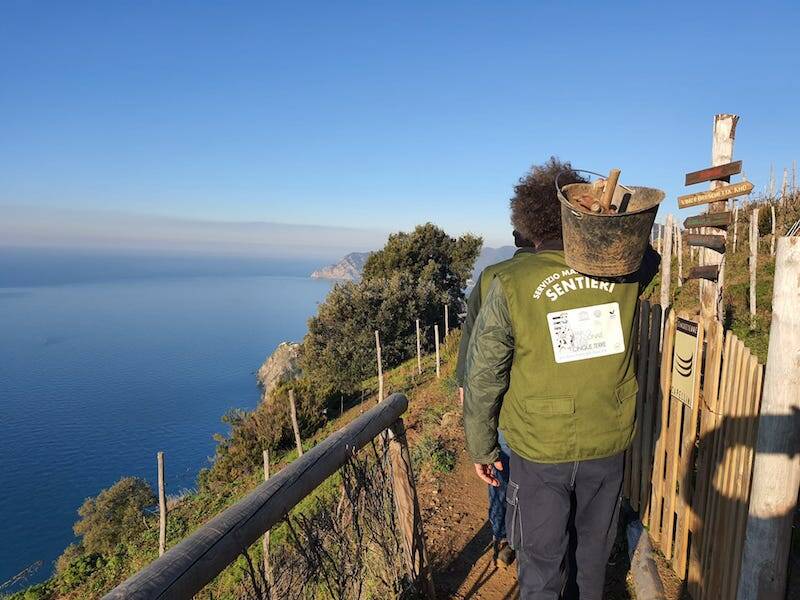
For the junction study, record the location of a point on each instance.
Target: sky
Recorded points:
(350, 120)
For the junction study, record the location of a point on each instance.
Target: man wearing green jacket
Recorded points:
(502, 552)
(551, 363)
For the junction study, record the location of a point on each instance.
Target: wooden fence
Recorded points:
(690, 467)
(185, 569)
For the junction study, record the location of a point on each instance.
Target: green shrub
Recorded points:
(115, 516)
(78, 571)
(239, 454)
(432, 451)
(39, 591)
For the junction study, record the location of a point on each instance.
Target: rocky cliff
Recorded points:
(350, 267)
(347, 269)
(281, 366)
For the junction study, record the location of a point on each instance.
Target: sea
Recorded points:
(106, 360)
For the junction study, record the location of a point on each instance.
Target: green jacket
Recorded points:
(551, 358)
(474, 302)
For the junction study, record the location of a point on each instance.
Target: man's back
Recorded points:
(572, 362)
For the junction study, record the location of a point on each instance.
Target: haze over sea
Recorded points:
(107, 359)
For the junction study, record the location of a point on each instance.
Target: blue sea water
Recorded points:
(111, 365)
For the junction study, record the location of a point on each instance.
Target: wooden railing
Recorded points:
(185, 569)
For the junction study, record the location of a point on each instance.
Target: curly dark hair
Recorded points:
(535, 209)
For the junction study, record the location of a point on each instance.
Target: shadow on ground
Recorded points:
(471, 571)
(468, 575)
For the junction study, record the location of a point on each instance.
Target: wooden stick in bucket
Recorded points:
(608, 191)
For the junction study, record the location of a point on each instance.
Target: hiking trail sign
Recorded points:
(721, 193)
(685, 362)
(718, 173)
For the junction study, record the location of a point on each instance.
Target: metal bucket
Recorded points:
(607, 245)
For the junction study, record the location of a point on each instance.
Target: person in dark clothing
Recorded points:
(550, 362)
(503, 554)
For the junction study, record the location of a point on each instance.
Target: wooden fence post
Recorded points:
(772, 239)
(680, 254)
(419, 350)
(666, 264)
(409, 516)
(436, 340)
(162, 507)
(771, 188)
(735, 225)
(661, 398)
(446, 321)
(675, 231)
(784, 185)
(753, 264)
(380, 365)
(265, 539)
(723, 136)
(776, 470)
(293, 410)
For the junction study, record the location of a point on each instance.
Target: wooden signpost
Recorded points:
(721, 219)
(721, 193)
(718, 173)
(708, 272)
(715, 242)
(712, 247)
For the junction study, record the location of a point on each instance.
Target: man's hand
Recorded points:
(461, 396)
(487, 475)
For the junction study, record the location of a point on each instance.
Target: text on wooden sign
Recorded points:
(721, 193)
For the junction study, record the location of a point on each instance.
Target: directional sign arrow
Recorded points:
(721, 193)
(715, 242)
(720, 172)
(710, 272)
(720, 219)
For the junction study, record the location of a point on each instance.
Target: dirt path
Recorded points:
(455, 508)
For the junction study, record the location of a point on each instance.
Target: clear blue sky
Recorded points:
(378, 115)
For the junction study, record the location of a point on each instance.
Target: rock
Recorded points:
(281, 366)
(451, 420)
(347, 269)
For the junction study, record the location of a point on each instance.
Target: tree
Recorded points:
(427, 254)
(411, 278)
(114, 516)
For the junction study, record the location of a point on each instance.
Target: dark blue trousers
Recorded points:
(543, 499)
(497, 500)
